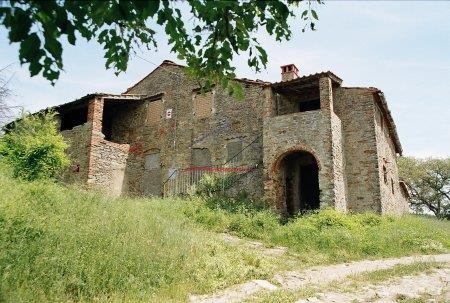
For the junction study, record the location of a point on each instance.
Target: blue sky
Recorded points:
(402, 48)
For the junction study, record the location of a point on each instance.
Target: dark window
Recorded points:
(107, 123)
(73, 118)
(392, 185)
(385, 174)
(305, 106)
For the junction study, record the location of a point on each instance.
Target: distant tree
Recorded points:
(207, 37)
(33, 148)
(428, 181)
(5, 93)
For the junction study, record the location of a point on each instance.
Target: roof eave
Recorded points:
(391, 124)
(307, 78)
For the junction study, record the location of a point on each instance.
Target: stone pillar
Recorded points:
(326, 93)
(339, 180)
(270, 106)
(95, 114)
(337, 193)
(95, 118)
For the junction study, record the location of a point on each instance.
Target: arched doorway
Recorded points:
(300, 180)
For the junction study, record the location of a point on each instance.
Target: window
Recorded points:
(385, 174)
(203, 104)
(234, 151)
(305, 106)
(73, 118)
(392, 186)
(155, 111)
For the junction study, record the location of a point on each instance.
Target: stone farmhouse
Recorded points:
(303, 143)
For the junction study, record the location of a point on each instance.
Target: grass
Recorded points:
(424, 298)
(68, 244)
(63, 244)
(327, 236)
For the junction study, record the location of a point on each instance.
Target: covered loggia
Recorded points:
(300, 180)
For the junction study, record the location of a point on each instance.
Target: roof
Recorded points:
(306, 79)
(278, 86)
(382, 103)
(171, 63)
(83, 100)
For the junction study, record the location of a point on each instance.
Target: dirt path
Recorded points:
(322, 275)
(432, 287)
(256, 245)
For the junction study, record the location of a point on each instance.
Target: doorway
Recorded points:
(301, 183)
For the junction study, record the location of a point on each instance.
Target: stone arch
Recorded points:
(295, 180)
(298, 148)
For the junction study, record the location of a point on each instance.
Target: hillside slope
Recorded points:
(70, 244)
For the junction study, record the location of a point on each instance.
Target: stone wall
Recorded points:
(339, 180)
(392, 198)
(78, 139)
(355, 107)
(334, 127)
(227, 121)
(176, 128)
(126, 119)
(307, 131)
(108, 164)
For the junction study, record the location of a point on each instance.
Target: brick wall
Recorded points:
(203, 104)
(155, 111)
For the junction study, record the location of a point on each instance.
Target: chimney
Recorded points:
(289, 72)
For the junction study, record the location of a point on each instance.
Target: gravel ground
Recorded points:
(316, 276)
(430, 287)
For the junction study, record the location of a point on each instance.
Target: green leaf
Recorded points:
(217, 30)
(20, 24)
(29, 48)
(35, 67)
(152, 7)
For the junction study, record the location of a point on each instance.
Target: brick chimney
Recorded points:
(289, 72)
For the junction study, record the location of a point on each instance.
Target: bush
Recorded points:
(214, 185)
(33, 148)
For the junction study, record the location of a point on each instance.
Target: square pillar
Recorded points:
(95, 115)
(326, 93)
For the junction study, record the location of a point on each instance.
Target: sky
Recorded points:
(402, 48)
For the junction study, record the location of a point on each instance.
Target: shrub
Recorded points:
(211, 185)
(33, 148)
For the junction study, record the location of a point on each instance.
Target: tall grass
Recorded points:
(73, 245)
(326, 236)
(60, 244)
